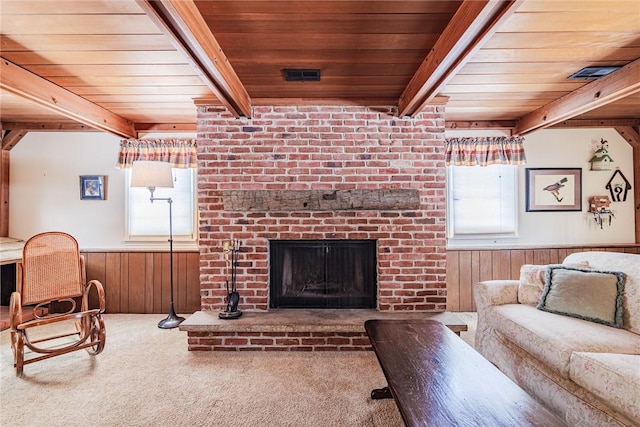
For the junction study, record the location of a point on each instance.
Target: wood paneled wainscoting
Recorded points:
(465, 267)
(138, 282)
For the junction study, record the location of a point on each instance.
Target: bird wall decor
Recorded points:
(618, 186)
(600, 208)
(555, 188)
(601, 160)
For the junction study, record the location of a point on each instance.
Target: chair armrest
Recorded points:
(101, 296)
(83, 269)
(495, 292)
(15, 310)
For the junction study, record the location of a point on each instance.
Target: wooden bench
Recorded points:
(437, 379)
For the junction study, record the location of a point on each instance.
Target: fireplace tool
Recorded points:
(231, 249)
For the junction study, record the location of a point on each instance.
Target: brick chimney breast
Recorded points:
(324, 172)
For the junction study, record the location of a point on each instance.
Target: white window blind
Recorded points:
(482, 200)
(150, 221)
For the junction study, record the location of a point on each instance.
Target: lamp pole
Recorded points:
(172, 320)
(152, 174)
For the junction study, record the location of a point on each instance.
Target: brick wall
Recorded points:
(324, 148)
(278, 341)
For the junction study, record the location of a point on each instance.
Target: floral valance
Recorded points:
(484, 151)
(181, 153)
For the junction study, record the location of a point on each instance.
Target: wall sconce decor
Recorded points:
(93, 187)
(601, 160)
(599, 207)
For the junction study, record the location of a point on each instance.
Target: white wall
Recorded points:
(45, 193)
(44, 189)
(573, 149)
(569, 148)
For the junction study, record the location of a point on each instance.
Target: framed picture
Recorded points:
(93, 187)
(553, 189)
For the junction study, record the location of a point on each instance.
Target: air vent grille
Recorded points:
(593, 72)
(300, 75)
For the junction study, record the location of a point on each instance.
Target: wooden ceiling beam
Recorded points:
(140, 128)
(11, 137)
(615, 86)
(369, 102)
(621, 125)
(597, 123)
(48, 126)
(630, 135)
(182, 22)
(25, 84)
(5, 156)
(144, 128)
(493, 124)
(471, 26)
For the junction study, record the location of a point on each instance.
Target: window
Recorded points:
(146, 221)
(482, 201)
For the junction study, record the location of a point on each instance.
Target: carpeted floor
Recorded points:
(146, 377)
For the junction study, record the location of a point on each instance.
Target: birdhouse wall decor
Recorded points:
(601, 160)
(600, 208)
(618, 186)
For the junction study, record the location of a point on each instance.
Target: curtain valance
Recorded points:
(181, 153)
(484, 151)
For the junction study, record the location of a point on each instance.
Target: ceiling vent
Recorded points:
(298, 75)
(593, 72)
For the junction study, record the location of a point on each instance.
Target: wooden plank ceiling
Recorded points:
(129, 66)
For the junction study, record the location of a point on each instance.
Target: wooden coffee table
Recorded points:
(437, 379)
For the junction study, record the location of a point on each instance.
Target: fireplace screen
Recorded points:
(323, 274)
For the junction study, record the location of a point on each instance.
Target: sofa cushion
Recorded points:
(627, 263)
(531, 283)
(532, 280)
(614, 378)
(586, 294)
(552, 338)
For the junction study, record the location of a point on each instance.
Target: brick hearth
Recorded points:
(295, 329)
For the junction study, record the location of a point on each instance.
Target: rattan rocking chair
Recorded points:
(52, 272)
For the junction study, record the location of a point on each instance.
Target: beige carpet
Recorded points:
(146, 377)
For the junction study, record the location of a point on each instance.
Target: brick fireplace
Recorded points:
(258, 179)
(324, 172)
(327, 273)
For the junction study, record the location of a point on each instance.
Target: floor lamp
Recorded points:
(152, 174)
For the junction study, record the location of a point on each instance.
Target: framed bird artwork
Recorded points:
(553, 189)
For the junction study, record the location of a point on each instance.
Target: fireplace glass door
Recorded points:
(323, 274)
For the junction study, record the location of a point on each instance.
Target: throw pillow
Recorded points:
(586, 294)
(532, 279)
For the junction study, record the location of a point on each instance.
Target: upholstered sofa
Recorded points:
(576, 364)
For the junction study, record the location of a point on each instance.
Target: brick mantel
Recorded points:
(357, 150)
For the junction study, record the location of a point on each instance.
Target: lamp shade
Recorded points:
(146, 173)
